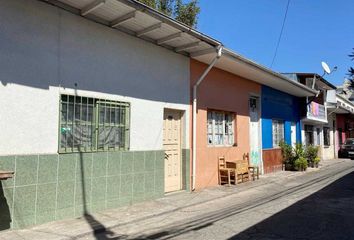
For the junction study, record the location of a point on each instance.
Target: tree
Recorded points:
(351, 69)
(150, 3)
(165, 6)
(186, 13)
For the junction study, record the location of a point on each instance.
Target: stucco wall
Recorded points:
(281, 106)
(328, 152)
(45, 51)
(225, 92)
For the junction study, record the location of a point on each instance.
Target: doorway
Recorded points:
(255, 147)
(172, 147)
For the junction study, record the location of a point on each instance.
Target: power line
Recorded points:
(281, 33)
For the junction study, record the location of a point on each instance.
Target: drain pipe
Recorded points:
(194, 134)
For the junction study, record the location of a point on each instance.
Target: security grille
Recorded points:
(91, 124)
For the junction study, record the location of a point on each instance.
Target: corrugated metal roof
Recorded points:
(139, 20)
(142, 21)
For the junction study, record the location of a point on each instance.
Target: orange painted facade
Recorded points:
(222, 91)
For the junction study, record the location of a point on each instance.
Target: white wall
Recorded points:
(328, 152)
(45, 51)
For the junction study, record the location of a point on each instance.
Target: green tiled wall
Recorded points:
(52, 187)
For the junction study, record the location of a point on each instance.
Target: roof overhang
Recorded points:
(343, 106)
(241, 66)
(139, 20)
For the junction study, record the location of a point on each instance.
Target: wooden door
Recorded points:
(172, 147)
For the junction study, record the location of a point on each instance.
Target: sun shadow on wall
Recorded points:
(98, 229)
(326, 214)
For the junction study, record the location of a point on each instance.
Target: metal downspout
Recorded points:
(194, 134)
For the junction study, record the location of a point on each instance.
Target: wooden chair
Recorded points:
(253, 170)
(242, 170)
(227, 172)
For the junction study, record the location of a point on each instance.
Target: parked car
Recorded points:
(347, 149)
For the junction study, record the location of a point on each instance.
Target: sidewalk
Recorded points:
(173, 207)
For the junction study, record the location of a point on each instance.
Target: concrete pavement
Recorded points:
(284, 205)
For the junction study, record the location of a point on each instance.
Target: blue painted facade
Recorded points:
(280, 106)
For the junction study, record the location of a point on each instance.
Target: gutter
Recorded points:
(238, 57)
(194, 134)
(170, 21)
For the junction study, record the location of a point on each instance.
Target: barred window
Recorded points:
(278, 132)
(90, 124)
(326, 136)
(220, 128)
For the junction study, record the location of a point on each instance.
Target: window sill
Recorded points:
(221, 146)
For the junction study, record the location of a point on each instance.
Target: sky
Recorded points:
(314, 31)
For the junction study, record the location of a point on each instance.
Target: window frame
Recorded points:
(326, 133)
(224, 124)
(278, 121)
(95, 124)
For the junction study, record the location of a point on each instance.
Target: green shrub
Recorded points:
(288, 155)
(316, 161)
(311, 153)
(299, 151)
(300, 164)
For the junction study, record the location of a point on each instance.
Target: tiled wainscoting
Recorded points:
(52, 187)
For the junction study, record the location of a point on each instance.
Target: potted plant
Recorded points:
(316, 161)
(311, 153)
(301, 164)
(288, 155)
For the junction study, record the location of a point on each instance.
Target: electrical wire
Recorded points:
(281, 33)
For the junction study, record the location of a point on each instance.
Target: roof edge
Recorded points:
(268, 71)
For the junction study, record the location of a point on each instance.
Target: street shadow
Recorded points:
(99, 231)
(326, 214)
(5, 216)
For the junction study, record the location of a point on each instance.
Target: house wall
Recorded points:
(281, 106)
(340, 124)
(46, 51)
(328, 152)
(223, 91)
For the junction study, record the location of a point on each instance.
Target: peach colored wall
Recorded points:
(220, 90)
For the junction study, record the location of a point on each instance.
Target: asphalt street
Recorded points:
(316, 204)
(313, 205)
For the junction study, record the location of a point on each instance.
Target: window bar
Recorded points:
(109, 124)
(96, 110)
(73, 122)
(81, 125)
(104, 147)
(126, 127)
(116, 136)
(120, 128)
(67, 122)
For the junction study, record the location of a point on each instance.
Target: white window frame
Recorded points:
(212, 130)
(278, 132)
